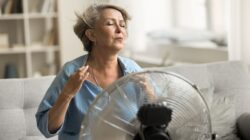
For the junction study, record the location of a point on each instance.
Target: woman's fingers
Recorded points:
(83, 72)
(143, 83)
(75, 81)
(84, 76)
(140, 78)
(148, 89)
(83, 68)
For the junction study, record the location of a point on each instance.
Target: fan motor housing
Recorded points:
(154, 120)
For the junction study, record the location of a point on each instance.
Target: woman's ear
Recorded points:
(90, 34)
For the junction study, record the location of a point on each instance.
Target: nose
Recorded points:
(118, 29)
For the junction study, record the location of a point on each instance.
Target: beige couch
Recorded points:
(19, 99)
(226, 86)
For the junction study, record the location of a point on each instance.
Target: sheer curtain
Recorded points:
(239, 42)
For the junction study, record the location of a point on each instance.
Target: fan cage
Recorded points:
(105, 112)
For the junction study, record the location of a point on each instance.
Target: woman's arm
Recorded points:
(57, 113)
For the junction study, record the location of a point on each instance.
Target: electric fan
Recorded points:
(149, 105)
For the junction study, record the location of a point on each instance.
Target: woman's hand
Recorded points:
(59, 109)
(146, 86)
(148, 90)
(75, 81)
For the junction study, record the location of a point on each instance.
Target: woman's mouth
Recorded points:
(119, 38)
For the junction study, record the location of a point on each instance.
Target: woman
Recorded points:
(102, 30)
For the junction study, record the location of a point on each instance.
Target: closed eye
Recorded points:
(110, 23)
(123, 25)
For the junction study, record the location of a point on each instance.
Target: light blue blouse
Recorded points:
(79, 104)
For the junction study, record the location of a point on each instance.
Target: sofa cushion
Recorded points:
(232, 78)
(12, 124)
(208, 95)
(12, 95)
(197, 74)
(229, 75)
(222, 114)
(31, 127)
(227, 78)
(19, 99)
(35, 89)
(229, 85)
(241, 100)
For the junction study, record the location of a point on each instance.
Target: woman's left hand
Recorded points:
(146, 86)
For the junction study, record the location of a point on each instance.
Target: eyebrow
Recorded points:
(113, 19)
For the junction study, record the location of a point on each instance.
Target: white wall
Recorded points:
(246, 31)
(71, 45)
(136, 36)
(190, 14)
(217, 20)
(239, 42)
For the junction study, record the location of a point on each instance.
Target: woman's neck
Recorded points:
(104, 68)
(103, 61)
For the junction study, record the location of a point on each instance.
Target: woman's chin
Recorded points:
(118, 47)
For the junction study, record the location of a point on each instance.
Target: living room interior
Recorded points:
(205, 41)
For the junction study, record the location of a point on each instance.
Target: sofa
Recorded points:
(226, 89)
(19, 99)
(224, 85)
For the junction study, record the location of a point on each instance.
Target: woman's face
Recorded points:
(110, 30)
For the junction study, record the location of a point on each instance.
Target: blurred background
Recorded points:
(37, 38)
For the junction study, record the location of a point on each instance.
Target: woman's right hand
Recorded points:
(59, 109)
(75, 81)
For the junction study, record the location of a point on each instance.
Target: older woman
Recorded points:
(102, 30)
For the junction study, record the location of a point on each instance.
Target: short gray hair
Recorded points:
(88, 19)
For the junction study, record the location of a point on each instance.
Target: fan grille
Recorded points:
(112, 115)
